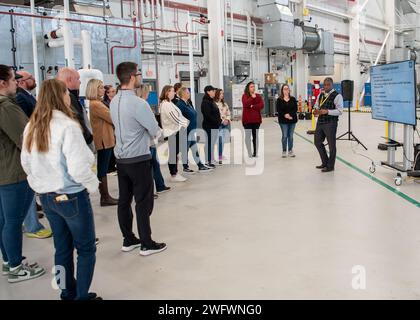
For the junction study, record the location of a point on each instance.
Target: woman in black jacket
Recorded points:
(287, 109)
(211, 123)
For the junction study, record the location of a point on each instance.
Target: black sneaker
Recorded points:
(211, 166)
(130, 245)
(96, 241)
(189, 171)
(166, 189)
(205, 169)
(152, 249)
(91, 296)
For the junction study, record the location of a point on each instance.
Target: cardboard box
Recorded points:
(270, 78)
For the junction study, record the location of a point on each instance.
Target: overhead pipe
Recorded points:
(142, 9)
(191, 60)
(123, 47)
(96, 23)
(232, 40)
(162, 7)
(13, 36)
(34, 46)
(68, 37)
(254, 50)
(152, 9)
(59, 43)
(226, 51)
(86, 49)
(147, 8)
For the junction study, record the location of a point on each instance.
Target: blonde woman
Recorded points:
(58, 163)
(103, 136)
(172, 123)
(224, 128)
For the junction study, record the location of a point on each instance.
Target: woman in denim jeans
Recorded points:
(58, 164)
(224, 129)
(287, 109)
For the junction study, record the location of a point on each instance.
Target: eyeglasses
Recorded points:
(138, 74)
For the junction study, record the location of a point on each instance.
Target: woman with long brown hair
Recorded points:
(287, 109)
(251, 118)
(58, 164)
(173, 124)
(103, 137)
(224, 130)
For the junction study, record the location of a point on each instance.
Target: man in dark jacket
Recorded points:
(189, 112)
(27, 102)
(72, 80)
(211, 123)
(176, 99)
(24, 97)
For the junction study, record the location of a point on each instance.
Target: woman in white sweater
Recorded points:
(173, 122)
(58, 164)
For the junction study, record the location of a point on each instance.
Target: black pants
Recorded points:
(212, 139)
(136, 180)
(173, 142)
(251, 129)
(327, 131)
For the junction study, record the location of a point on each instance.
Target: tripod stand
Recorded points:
(349, 133)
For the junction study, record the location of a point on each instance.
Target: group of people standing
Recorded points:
(56, 155)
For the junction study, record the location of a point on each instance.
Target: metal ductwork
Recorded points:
(282, 31)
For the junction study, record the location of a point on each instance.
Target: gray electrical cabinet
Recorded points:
(242, 68)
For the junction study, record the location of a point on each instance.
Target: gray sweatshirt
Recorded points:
(135, 127)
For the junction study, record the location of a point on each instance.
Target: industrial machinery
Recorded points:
(283, 31)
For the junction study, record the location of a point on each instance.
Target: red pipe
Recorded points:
(123, 47)
(176, 68)
(94, 22)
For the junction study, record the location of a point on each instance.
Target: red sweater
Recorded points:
(252, 109)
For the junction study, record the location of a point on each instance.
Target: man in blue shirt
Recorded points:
(190, 113)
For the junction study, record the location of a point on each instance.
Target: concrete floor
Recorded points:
(290, 233)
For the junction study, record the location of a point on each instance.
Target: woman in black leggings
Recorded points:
(251, 117)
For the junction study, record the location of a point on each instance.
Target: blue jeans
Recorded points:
(31, 223)
(157, 174)
(224, 131)
(73, 228)
(288, 131)
(193, 146)
(15, 200)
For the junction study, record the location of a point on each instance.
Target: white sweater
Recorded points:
(66, 167)
(172, 119)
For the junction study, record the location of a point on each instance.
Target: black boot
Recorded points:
(106, 199)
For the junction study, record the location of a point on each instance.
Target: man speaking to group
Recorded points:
(328, 108)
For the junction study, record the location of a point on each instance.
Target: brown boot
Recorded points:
(106, 199)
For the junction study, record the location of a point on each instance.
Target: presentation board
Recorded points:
(394, 92)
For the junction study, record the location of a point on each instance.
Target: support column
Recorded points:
(390, 20)
(301, 74)
(215, 15)
(354, 63)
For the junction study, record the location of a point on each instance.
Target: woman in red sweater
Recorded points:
(251, 117)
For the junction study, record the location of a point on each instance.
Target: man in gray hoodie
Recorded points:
(135, 126)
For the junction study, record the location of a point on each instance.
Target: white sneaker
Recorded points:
(284, 155)
(24, 273)
(292, 154)
(178, 178)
